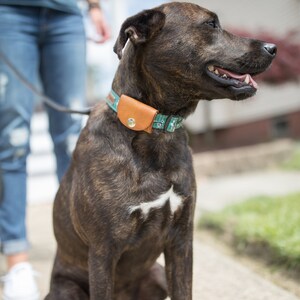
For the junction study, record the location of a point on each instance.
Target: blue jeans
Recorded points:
(49, 46)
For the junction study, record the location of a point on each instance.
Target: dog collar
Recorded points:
(138, 116)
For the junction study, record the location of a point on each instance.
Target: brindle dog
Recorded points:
(129, 196)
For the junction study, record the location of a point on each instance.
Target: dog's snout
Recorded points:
(270, 48)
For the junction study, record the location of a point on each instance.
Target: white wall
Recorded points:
(275, 16)
(268, 102)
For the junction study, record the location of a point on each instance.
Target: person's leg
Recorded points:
(63, 73)
(18, 44)
(16, 106)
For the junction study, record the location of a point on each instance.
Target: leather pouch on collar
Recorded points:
(136, 115)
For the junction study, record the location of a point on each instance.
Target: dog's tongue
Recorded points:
(238, 77)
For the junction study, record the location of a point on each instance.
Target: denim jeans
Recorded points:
(47, 46)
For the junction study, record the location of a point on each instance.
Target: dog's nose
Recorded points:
(270, 48)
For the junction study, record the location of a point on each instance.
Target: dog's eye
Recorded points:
(212, 23)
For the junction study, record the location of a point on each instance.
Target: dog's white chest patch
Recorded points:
(170, 195)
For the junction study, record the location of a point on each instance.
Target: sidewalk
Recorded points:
(216, 276)
(217, 192)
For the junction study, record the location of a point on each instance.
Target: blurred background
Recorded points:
(241, 150)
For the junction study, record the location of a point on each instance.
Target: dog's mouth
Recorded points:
(229, 78)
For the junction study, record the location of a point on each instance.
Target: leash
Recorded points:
(48, 101)
(154, 120)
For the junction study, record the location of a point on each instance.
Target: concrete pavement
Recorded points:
(217, 192)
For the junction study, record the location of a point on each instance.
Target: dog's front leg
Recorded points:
(179, 259)
(101, 275)
(179, 269)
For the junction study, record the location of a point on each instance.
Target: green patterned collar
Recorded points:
(168, 123)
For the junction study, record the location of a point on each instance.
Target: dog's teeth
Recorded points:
(224, 76)
(247, 79)
(211, 68)
(217, 72)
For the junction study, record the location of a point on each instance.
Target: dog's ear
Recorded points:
(139, 29)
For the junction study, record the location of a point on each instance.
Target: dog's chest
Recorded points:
(169, 199)
(152, 220)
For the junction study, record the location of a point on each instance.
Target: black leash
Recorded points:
(35, 91)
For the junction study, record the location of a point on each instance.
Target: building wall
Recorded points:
(270, 101)
(276, 17)
(250, 133)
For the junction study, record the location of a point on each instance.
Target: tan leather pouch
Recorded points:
(136, 115)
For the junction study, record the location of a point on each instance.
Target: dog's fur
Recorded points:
(129, 196)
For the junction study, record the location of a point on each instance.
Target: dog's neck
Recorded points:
(133, 79)
(156, 149)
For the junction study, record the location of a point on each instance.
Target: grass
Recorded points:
(266, 227)
(294, 162)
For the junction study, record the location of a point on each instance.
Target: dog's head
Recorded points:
(182, 48)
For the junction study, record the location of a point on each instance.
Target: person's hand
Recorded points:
(98, 20)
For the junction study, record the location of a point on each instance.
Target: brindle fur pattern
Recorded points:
(103, 251)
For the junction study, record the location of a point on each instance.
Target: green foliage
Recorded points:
(268, 227)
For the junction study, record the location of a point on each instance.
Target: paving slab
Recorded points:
(217, 276)
(217, 192)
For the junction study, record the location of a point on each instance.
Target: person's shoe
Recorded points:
(20, 284)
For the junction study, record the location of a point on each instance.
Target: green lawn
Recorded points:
(264, 226)
(293, 163)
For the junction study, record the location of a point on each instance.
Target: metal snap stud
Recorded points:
(131, 122)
